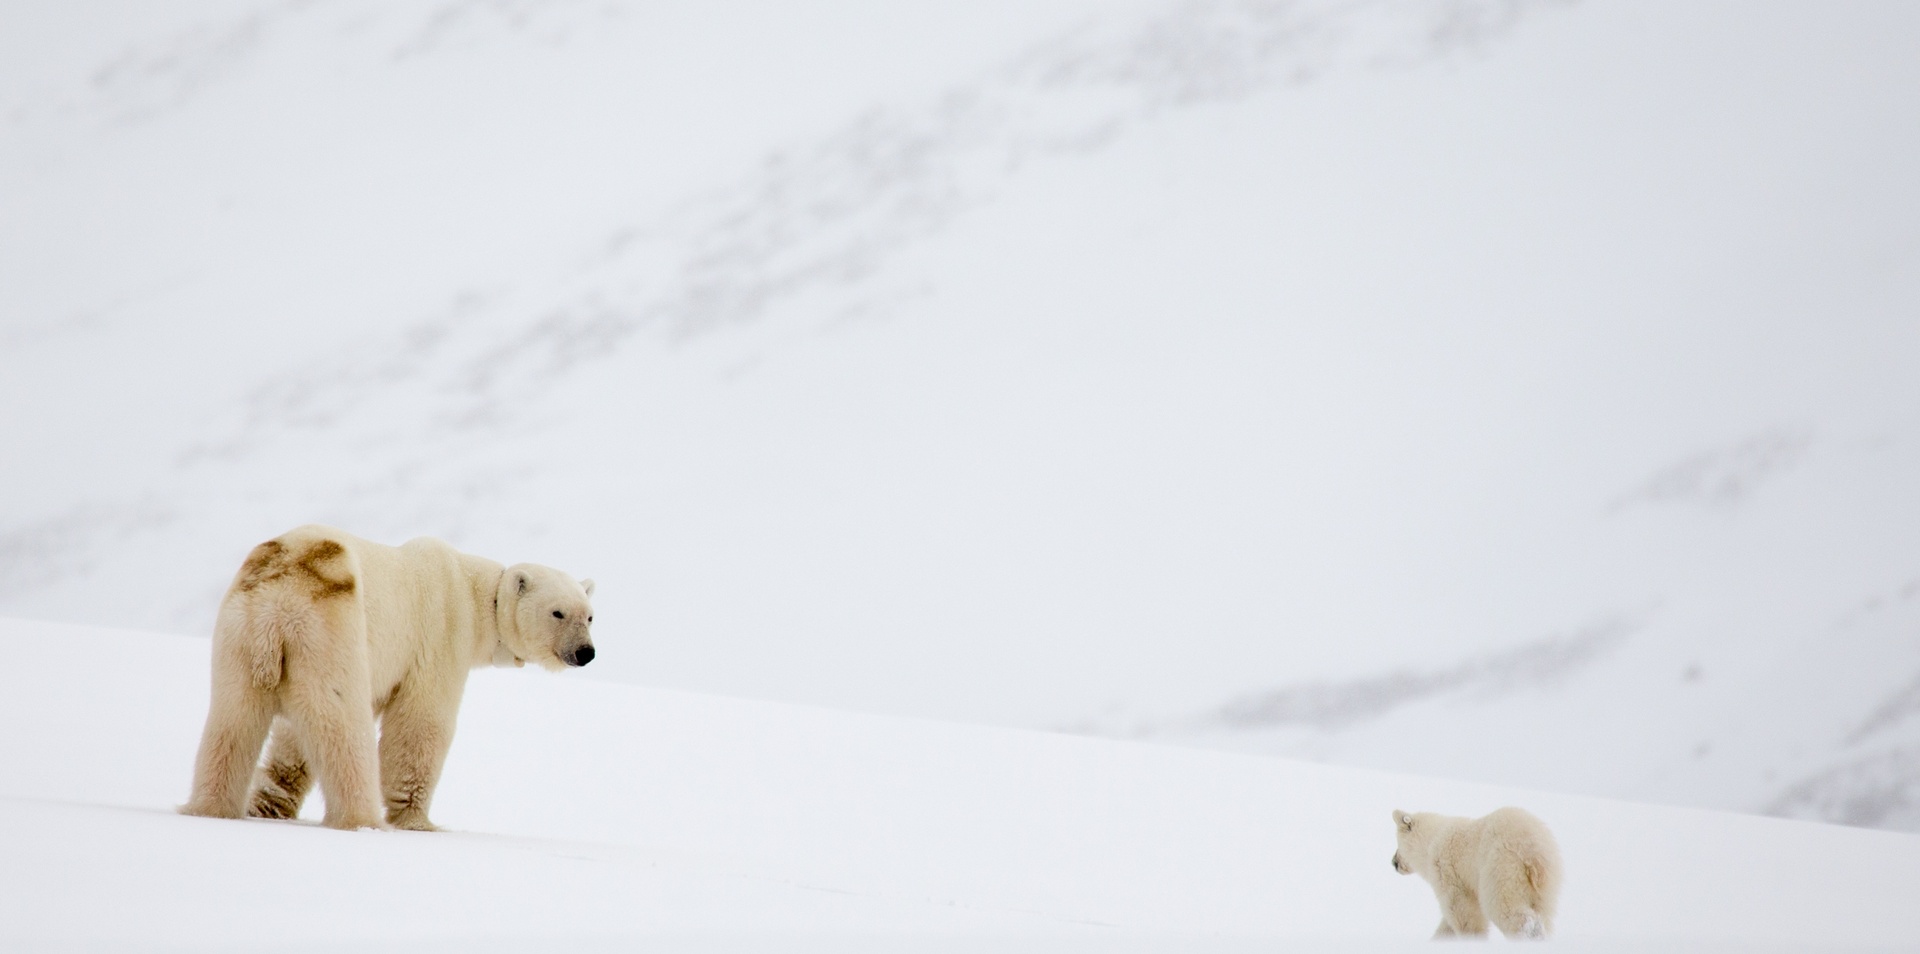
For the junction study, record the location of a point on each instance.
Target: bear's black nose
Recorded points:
(1396, 864)
(582, 656)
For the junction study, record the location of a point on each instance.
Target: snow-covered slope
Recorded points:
(614, 815)
(1499, 390)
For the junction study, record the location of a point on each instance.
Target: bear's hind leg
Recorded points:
(1532, 928)
(1512, 903)
(237, 721)
(1521, 923)
(334, 723)
(415, 733)
(282, 781)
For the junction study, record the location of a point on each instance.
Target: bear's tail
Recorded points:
(253, 632)
(278, 600)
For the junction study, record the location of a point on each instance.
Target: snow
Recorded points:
(1518, 393)
(612, 817)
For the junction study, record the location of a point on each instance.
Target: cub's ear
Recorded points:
(588, 586)
(520, 580)
(1405, 820)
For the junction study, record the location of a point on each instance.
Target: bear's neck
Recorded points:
(491, 616)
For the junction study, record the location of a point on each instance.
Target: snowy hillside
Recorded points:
(608, 815)
(1508, 391)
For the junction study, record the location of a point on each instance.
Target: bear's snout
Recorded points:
(581, 656)
(1397, 866)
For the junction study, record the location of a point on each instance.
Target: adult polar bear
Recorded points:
(323, 632)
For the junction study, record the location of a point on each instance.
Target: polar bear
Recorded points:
(1504, 868)
(322, 632)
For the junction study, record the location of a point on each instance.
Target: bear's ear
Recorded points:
(588, 586)
(1405, 820)
(520, 580)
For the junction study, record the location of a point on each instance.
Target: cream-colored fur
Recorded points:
(1504, 869)
(322, 633)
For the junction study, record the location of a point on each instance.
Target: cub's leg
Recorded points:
(1533, 928)
(1462, 911)
(416, 730)
(1519, 921)
(282, 781)
(237, 721)
(1512, 902)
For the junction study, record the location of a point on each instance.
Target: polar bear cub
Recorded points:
(321, 633)
(1504, 868)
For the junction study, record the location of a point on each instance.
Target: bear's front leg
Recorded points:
(415, 733)
(283, 780)
(1461, 912)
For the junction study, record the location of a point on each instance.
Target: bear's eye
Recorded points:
(589, 619)
(559, 615)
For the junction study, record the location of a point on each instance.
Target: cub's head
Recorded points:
(1413, 832)
(545, 616)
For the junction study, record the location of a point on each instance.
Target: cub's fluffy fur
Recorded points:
(1504, 869)
(322, 633)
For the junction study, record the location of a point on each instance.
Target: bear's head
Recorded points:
(545, 617)
(1413, 838)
